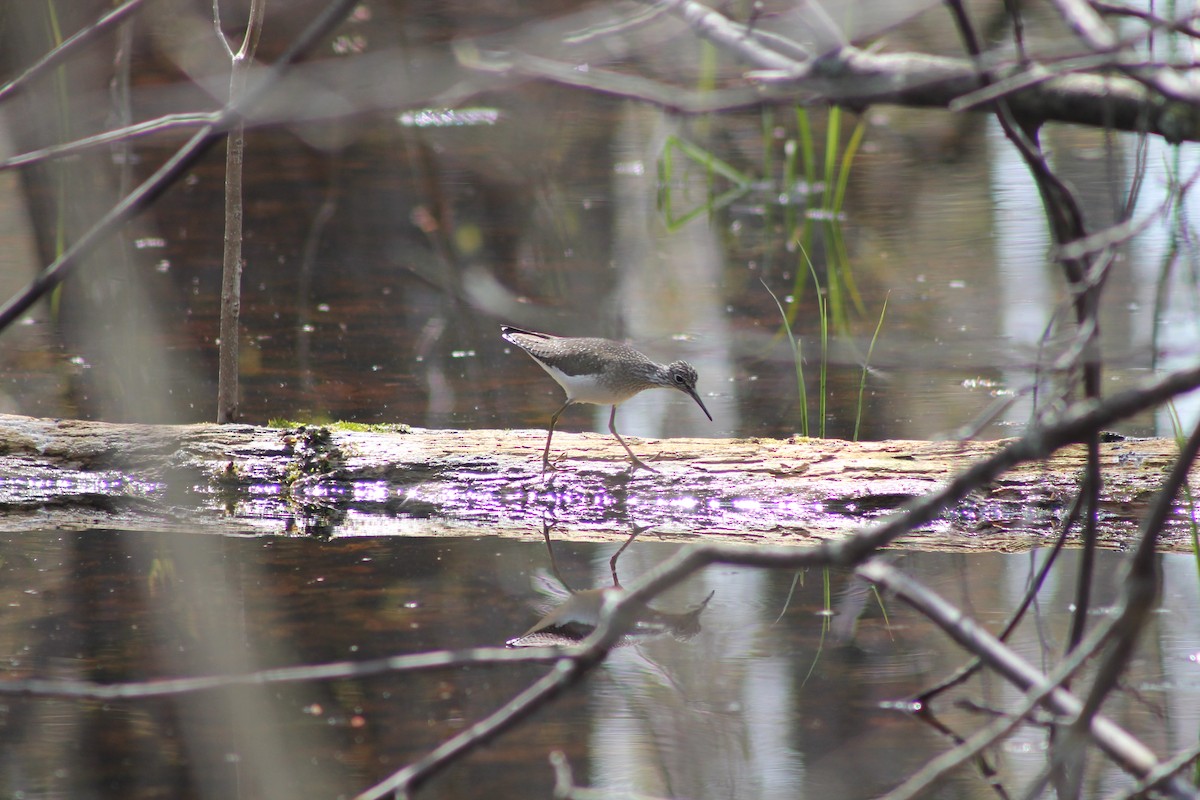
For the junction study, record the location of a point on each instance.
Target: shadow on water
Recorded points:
(769, 694)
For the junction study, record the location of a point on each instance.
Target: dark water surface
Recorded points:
(384, 250)
(761, 702)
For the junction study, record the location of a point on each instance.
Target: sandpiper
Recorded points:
(602, 372)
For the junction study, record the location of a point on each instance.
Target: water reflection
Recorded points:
(764, 699)
(382, 256)
(570, 615)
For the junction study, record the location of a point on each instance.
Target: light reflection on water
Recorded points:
(761, 702)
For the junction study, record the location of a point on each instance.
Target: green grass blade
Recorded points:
(797, 580)
(768, 137)
(823, 319)
(712, 166)
(825, 623)
(862, 380)
(808, 156)
(787, 192)
(709, 161)
(843, 175)
(796, 358)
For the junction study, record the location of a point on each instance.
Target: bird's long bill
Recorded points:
(699, 402)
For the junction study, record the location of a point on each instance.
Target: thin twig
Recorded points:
(1087, 24)
(1125, 749)
(1182, 25)
(1143, 582)
(124, 133)
(177, 165)
(672, 98)
(231, 272)
(1031, 591)
(337, 670)
(997, 729)
(733, 37)
(69, 45)
(1165, 770)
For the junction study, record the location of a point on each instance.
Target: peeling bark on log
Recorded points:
(242, 479)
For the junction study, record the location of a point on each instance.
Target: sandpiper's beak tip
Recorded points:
(700, 403)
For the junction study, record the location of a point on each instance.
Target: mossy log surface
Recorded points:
(315, 480)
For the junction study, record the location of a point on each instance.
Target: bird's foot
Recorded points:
(551, 466)
(637, 462)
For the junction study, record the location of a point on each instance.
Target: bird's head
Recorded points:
(682, 376)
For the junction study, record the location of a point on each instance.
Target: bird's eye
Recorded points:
(679, 379)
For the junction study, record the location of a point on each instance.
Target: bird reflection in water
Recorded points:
(569, 616)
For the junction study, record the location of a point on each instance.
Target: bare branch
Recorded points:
(403, 782)
(231, 272)
(733, 37)
(1119, 744)
(1142, 584)
(671, 98)
(58, 54)
(858, 78)
(1183, 25)
(337, 670)
(1036, 583)
(179, 163)
(1126, 230)
(1165, 770)
(1087, 24)
(162, 124)
(216, 13)
(999, 728)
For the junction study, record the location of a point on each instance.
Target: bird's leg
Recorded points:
(549, 434)
(546, 528)
(612, 562)
(637, 462)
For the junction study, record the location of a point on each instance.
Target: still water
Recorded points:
(384, 250)
(772, 697)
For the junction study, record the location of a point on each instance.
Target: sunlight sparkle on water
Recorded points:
(907, 706)
(371, 491)
(448, 117)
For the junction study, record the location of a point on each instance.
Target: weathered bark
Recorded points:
(240, 478)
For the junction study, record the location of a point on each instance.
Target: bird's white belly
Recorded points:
(586, 388)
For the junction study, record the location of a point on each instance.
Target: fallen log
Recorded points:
(334, 480)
